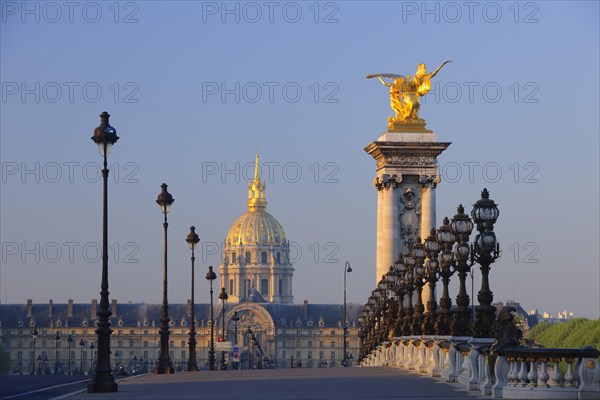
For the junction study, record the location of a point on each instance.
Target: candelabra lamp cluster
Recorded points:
(396, 308)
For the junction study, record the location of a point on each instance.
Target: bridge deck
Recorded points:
(279, 384)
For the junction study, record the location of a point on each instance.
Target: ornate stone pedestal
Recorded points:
(406, 178)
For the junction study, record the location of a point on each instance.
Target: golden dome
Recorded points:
(256, 226)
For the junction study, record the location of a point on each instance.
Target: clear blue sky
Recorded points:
(194, 87)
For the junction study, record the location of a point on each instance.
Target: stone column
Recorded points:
(429, 183)
(388, 243)
(405, 207)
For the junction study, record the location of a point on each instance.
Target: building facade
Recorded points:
(310, 333)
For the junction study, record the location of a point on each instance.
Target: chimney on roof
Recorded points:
(113, 308)
(29, 307)
(50, 303)
(305, 309)
(94, 309)
(188, 308)
(70, 309)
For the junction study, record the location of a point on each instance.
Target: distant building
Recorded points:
(562, 316)
(311, 333)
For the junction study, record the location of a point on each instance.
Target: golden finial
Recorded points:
(256, 190)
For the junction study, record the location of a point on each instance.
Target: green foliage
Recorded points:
(576, 333)
(4, 361)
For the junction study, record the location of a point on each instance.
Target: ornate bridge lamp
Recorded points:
(432, 248)
(409, 281)
(418, 253)
(192, 240)
(461, 227)
(400, 292)
(485, 251)
(445, 238)
(390, 279)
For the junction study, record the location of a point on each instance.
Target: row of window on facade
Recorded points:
(264, 258)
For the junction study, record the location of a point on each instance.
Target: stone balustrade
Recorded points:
(511, 373)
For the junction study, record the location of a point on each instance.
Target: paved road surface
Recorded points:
(39, 387)
(285, 384)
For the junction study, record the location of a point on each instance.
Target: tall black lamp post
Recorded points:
(92, 356)
(236, 319)
(34, 335)
(409, 287)
(445, 238)
(461, 227)
(192, 239)
(70, 342)
(57, 340)
(223, 297)
(418, 253)
(485, 251)
(211, 276)
(345, 359)
(164, 200)
(102, 381)
(81, 345)
(432, 248)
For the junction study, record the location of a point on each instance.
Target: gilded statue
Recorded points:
(405, 93)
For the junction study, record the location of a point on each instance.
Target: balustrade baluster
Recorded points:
(533, 374)
(556, 375)
(569, 376)
(544, 376)
(523, 373)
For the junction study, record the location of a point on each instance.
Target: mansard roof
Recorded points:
(14, 316)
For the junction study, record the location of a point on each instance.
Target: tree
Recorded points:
(575, 333)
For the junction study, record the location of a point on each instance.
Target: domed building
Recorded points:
(256, 257)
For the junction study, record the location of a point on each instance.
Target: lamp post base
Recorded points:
(103, 383)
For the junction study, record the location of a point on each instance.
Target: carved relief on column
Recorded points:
(409, 213)
(386, 181)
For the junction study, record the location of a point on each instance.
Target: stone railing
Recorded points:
(512, 373)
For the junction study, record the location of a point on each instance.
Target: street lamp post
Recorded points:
(485, 251)
(135, 364)
(461, 227)
(418, 253)
(164, 200)
(34, 335)
(236, 319)
(117, 360)
(445, 238)
(192, 239)
(104, 136)
(92, 347)
(57, 339)
(432, 248)
(81, 345)
(345, 359)
(223, 297)
(211, 276)
(70, 342)
(408, 277)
